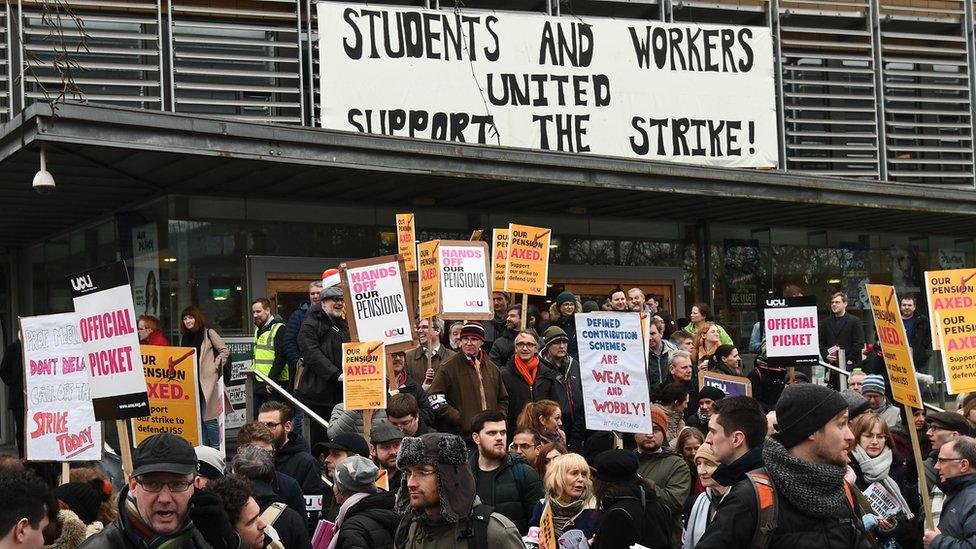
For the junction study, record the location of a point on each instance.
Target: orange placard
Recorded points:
(407, 240)
(174, 394)
(527, 263)
(430, 278)
(499, 256)
(948, 292)
(364, 368)
(894, 345)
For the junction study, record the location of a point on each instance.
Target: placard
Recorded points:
(174, 394)
(527, 262)
(730, 385)
(407, 240)
(60, 422)
(894, 345)
(107, 326)
(791, 331)
(464, 272)
(883, 502)
(235, 376)
(671, 92)
(145, 260)
(957, 337)
(430, 278)
(613, 372)
(948, 292)
(377, 301)
(499, 258)
(364, 368)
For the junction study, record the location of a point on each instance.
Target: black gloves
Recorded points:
(211, 520)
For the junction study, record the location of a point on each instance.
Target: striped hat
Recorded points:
(473, 329)
(873, 383)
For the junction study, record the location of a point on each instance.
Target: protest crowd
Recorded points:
(484, 442)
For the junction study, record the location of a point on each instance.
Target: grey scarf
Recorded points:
(815, 488)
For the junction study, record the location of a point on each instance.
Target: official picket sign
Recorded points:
(107, 327)
(464, 280)
(894, 345)
(430, 278)
(407, 240)
(957, 337)
(730, 385)
(174, 394)
(695, 94)
(499, 258)
(377, 296)
(60, 423)
(364, 368)
(613, 368)
(792, 337)
(949, 292)
(527, 261)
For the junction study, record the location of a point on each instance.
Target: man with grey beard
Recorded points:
(320, 339)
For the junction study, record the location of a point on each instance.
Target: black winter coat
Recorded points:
(320, 339)
(920, 340)
(503, 348)
(369, 524)
(292, 528)
(635, 516)
(505, 496)
(546, 387)
(294, 460)
(570, 391)
(735, 524)
(12, 373)
(850, 337)
(568, 324)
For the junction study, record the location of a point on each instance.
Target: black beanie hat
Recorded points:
(616, 466)
(84, 498)
(803, 409)
(713, 393)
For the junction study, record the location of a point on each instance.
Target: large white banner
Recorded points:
(613, 369)
(107, 326)
(696, 94)
(60, 422)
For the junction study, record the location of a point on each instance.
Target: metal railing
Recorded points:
(847, 374)
(877, 89)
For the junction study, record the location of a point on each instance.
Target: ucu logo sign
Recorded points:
(394, 332)
(776, 303)
(474, 303)
(82, 283)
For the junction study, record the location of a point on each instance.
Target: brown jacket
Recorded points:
(455, 394)
(415, 361)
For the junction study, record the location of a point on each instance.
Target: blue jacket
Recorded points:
(292, 352)
(958, 520)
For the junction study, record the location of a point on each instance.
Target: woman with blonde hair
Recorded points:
(707, 341)
(569, 493)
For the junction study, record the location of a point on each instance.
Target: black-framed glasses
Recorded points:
(154, 486)
(271, 424)
(943, 460)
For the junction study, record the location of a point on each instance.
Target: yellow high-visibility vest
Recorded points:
(264, 353)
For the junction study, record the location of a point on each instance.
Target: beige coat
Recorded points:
(210, 369)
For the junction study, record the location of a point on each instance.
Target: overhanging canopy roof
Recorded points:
(108, 158)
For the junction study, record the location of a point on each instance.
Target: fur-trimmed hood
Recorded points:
(73, 531)
(448, 455)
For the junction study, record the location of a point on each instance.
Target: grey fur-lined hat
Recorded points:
(448, 455)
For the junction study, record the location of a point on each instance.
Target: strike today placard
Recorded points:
(430, 278)
(464, 280)
(407, 240)
(499, 258)
(174, 394)
(377, 306)
(791, 331)
(671, 92)
(364, 367)
(613, 369)
(527, 261)
(107, 326)
(894, 345)
(60, 423)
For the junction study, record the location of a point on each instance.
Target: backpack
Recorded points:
(473, 527)
(655, 521)
(767, 504)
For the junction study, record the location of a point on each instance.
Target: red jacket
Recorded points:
(157, 338)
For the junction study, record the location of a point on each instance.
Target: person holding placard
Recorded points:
(569, 493)
(212, 354)
(429, 332)
(320, 339)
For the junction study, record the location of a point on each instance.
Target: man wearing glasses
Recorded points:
(957, 525)
(527, 378)
(160, 507)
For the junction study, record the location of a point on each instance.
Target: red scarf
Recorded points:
(529, 369)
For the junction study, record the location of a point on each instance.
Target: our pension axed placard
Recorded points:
(792, 337)
(949, 292)
(613, 372)
(174, 394)
(499, 258)
(407, 240)
(430, 278)
(364, 368)
(377, 303)
(107, 326)
(957, 337)
(695, 94)
(894, 345)
(527, 261)
(464, 279)
(60, 423)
